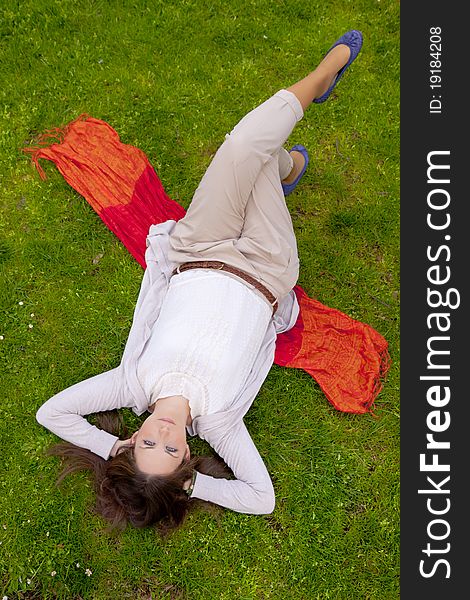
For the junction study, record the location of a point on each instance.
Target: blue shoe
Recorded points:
(288, 188)
(353, 40)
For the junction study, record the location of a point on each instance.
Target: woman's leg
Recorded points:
(217, 210)
(238, 213)
(286, 163)
(318, 81)
(311, 87)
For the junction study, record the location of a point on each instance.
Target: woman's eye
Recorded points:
(149, 443)
(170, 449)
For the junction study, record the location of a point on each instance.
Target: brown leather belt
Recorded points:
(215, 264)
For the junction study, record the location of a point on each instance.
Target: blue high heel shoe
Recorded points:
(288, 188)
(353, 40)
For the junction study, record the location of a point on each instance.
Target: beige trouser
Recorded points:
(238, 214)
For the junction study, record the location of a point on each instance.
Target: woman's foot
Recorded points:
(353, 41)
(300, 160)
(319, 84)
(298, 164)
(328, 69)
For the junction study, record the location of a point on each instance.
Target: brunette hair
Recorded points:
(124, 494)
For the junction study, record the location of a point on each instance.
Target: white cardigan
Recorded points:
(63, 414)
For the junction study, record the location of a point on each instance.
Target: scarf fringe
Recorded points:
(384, 368)
(47, 139)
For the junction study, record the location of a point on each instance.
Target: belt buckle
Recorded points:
(213, 264)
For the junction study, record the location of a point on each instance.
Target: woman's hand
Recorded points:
(119, 444)
(188, 485)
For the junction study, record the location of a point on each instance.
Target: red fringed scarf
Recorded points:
(347, 358)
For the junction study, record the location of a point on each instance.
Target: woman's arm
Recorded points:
(252, 491)
(63, 413)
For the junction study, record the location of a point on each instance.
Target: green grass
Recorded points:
(172, 78)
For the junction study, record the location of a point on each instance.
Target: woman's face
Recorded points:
(160, 444)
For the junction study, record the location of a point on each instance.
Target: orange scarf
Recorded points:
(347, 358)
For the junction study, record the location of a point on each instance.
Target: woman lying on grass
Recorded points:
(216, 292)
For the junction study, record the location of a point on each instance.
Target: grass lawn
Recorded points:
(172, 78)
